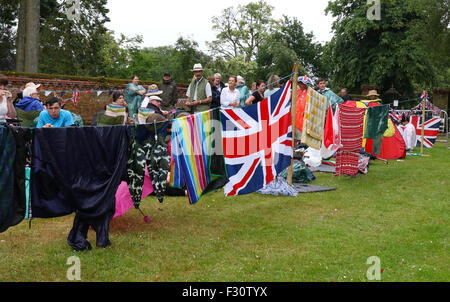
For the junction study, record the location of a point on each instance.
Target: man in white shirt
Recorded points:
(408, 132)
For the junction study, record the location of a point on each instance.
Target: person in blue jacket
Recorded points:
(30, 101)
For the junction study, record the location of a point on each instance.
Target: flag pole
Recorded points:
(423, 123)
(293, 114)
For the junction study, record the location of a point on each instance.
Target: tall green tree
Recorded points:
(386, 52)
(309, 52)
(8, 15)
(241, 30)
(75, 47)
(436, 32)
(150, 63)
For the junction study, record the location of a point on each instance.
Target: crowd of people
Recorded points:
(163, 100)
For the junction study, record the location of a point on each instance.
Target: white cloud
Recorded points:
(162, 22)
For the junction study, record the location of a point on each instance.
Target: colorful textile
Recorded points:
(347, 162)
(332, 134)
(115, 111)
(193, 138)
(376, 123)
(257, 142)
(148, 147)
(393, 147)
(314, 119)
(351, 128)
(143, 114)
(431, 130)
(300, 108)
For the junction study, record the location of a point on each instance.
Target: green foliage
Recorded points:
(151, 63)
(392, 51)
(242, 30)
(8, 16)
(234, 67)
(117, 55)
(290, 33)
(75, 47)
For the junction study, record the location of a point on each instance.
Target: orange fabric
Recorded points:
(300, 108)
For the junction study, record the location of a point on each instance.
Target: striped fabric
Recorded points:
(143, 114)
(314, 119)
(191, 147)
(115, 111)
(351, 125)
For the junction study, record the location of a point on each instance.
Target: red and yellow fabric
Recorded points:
(300, 108)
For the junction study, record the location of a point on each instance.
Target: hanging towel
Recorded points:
(300, 108)
(351, 126)
(332, 135)
(314, 119)
(375, 125)
(196, 153)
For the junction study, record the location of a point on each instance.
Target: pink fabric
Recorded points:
(123, 196)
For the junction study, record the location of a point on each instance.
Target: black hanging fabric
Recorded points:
(7, 154)
(14, 155)
(79, 170)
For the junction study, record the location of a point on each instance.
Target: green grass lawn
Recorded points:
(398, 212)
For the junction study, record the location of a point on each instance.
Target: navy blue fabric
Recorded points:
(79, 170)
(7, 154)
(14, 151)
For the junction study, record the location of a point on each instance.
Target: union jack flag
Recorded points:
(257, 142)
(431, 130)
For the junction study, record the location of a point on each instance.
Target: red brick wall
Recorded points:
(88, 104)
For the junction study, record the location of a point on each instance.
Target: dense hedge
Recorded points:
(102, 81)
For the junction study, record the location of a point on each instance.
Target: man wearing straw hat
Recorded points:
(199, 91)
